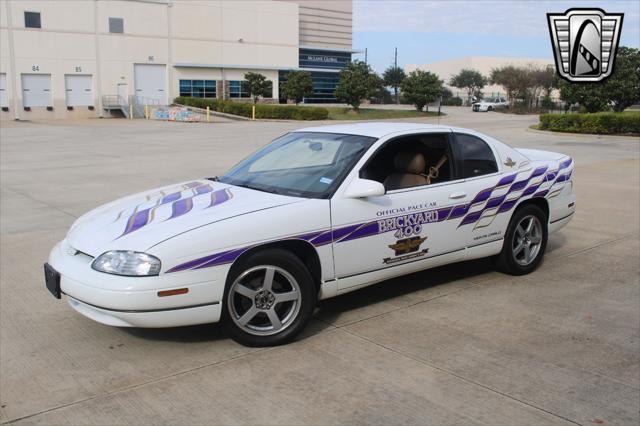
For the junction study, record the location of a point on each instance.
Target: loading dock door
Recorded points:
(4, 101)
(150, 82)
(78, 90)
(36, 90)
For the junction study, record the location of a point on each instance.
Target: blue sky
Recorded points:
(427, 31)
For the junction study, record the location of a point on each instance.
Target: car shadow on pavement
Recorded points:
(187, 334)
(328, 311)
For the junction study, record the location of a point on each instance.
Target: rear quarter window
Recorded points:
(475, 156)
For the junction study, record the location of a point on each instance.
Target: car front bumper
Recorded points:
(134, 301)
(480, 108)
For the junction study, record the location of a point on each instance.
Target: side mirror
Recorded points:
(362, 188)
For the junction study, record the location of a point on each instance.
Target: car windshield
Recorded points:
(300, 164)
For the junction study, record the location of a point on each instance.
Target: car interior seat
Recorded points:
(409, 168)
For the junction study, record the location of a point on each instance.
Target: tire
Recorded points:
(252, 313)
(489, 109)
(524, 247)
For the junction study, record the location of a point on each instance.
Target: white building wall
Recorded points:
(195, 39)
(484, 64)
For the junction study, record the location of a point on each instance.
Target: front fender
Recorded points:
(221, 243)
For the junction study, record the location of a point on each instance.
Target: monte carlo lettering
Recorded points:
(404, 221)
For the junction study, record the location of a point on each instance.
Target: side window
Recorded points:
(476, 157)
(116, 25)
(32, 20)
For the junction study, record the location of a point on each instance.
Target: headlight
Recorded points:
(129, 263)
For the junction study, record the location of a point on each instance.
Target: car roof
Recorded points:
(375, 129)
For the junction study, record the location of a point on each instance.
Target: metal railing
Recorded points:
(133, 106)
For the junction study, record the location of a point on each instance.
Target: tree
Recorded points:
(470, 80)
(421, 87)
(357, 82)
(393, 77)
(592, 97)
(623, 87)
(508, 77)
(446, 95)
(298, 86)
(257, 84)
(620, 90)
(543, 80)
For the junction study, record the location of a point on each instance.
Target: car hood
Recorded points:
(140, 221)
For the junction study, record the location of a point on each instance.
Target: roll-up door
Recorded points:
(78, 90)
(36, 90)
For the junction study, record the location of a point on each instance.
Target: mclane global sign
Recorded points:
(585, 42)
(318, 58)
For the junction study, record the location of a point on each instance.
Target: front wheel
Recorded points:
(525, 241)
(269, 298)
(490, 109)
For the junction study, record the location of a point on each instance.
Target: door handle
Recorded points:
(456, 195)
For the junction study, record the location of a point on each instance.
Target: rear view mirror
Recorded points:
(315, 146)
(362, 188)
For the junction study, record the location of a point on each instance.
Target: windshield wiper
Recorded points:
(245, 185)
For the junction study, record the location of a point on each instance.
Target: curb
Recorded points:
(596, 135)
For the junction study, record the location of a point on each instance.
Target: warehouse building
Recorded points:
(86, 58)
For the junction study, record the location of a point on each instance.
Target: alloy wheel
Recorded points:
(264, 300)
(527, 240)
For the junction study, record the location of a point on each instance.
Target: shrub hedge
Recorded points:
(603, 123)
(285, 112)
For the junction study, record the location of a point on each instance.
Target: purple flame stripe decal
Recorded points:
(507, 205)
(195, 263)
(322, 239)
(360, 231)
(181, 207)
(219, 197)
(482, 195)
(137, 221)
(539, 171)
(506, 180)
(565, 163)
(499, 201)
(459, 211)
(170, 197)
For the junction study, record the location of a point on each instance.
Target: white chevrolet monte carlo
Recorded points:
(317, 213)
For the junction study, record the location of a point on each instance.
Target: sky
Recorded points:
(426, 31)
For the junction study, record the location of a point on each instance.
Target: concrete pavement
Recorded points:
(460, 344)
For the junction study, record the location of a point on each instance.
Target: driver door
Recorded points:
(404, 230)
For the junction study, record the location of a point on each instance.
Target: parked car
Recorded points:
(490, 104)
(317, 213)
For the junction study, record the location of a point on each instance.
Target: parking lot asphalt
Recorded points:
(460, 344)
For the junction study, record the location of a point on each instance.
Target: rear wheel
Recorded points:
(525, 241)
(269, 298)
(490, 109)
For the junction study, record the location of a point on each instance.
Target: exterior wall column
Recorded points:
(12, 63)
(98, 63)
(170, 83)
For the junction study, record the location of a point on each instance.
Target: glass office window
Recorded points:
(198, 88)
(238, 89)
